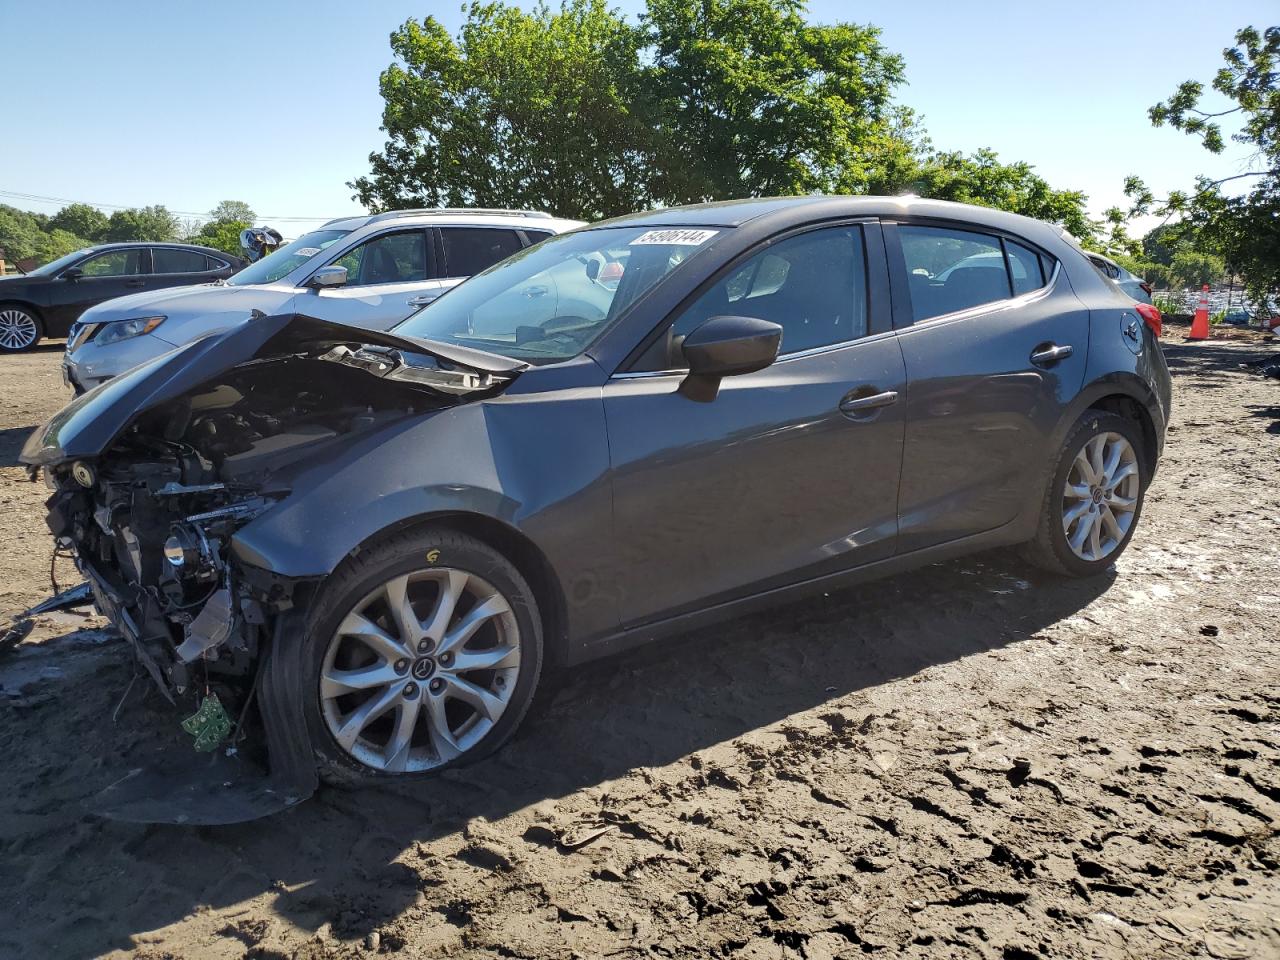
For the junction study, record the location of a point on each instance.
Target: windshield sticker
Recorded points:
(307, 251)
(682, 238)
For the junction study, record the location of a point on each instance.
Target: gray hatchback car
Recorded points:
(386, 535)
(369, 271)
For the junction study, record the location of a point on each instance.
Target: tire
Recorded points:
(20, 328)
(1064, 509)
(435, 562)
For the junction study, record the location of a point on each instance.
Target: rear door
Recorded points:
(790, 472)
(995, 346)
(389, 276)
(104, 276)
(176, 267)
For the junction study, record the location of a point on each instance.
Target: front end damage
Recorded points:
(149, 500)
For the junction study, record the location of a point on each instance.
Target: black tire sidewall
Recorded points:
(1090, 424)
(355, 580)
(35, 318)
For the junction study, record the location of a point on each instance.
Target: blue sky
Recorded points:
(277, 103)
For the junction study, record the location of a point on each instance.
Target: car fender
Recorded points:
(488, 459)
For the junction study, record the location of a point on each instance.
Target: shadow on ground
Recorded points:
(333, 859)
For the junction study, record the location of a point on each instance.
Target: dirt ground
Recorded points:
(969, 760)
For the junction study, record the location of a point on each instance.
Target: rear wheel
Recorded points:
(20, 328)
(424, 653)
(1092, 506)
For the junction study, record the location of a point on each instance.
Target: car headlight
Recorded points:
(124, 329)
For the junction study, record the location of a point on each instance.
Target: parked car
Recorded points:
(755, 401)
(1135, 287)
(49, 299)
(370, 271)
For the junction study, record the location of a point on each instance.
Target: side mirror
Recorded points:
(593, 269)
(328, 277)
(72, 273)
(727, 347)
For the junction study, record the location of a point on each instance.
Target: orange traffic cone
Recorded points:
(1200, 322)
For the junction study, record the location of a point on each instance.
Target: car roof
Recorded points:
(734, 213)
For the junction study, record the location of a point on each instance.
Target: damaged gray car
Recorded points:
(368, 547)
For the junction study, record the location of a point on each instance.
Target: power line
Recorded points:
(37, 198)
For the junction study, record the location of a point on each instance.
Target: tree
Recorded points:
(80, 219)
(20, 233)
(222, 235)
(142, 223)
(1161, 243)
(752, 100)
(58, 243)
(233, 210)
(524, 110)
(1243, 229)
(982, 179)
(1193, 268)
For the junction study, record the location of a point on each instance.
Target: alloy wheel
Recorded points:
(420, 670)
(18, 329)
(1100, 497)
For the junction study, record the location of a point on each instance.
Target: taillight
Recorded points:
(1146, 288)
(1151, 315)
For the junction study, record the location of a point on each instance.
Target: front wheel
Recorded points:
(20, 328)
(423, 653)
(1094, 499)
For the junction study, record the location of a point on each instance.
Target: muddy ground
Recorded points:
(969, 760)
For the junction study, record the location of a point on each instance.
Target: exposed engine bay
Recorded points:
(150, 521)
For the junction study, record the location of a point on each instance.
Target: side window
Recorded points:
(389, 258)
(213, 263)
(814, 285)
(537, 236)
(1024, 267)
(115, 263)
(468, 250)
(950, 270)
(168, 260)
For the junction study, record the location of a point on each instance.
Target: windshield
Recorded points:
(53, 266)
(287, 259)
(550, 301)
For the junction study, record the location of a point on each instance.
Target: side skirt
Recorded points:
(637, 636)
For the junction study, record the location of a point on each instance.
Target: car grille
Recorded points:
(80, 334)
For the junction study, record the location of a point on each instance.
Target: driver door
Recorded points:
(790, 472)
(388, 278)
(104, 276)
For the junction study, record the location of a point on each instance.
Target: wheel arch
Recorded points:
(35, 308)
(1124, 394)
(523, 553)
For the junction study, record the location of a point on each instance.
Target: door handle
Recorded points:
(1050, 353)
(535, 291)
(421, 301)
(135, 283)
(859, 405)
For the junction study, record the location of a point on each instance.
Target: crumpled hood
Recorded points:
(210, 300)
(88, 425)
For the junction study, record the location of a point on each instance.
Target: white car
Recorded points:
(370, 271)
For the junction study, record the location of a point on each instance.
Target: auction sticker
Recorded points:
(679, 238)
(306, 251)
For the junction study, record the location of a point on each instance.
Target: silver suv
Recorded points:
(370, 271)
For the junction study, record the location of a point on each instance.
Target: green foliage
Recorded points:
(1168, 304)
(58, 243)
(80, 219)
(233, 210)
(1159, 245)
(141, 223)
(580, 112)
(21, 233)
(221, 235)
(1193, 268)
(750, 99)
(982, 179)
(524, 110)
(1243, 230)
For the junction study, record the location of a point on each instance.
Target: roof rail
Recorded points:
(452, 211)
